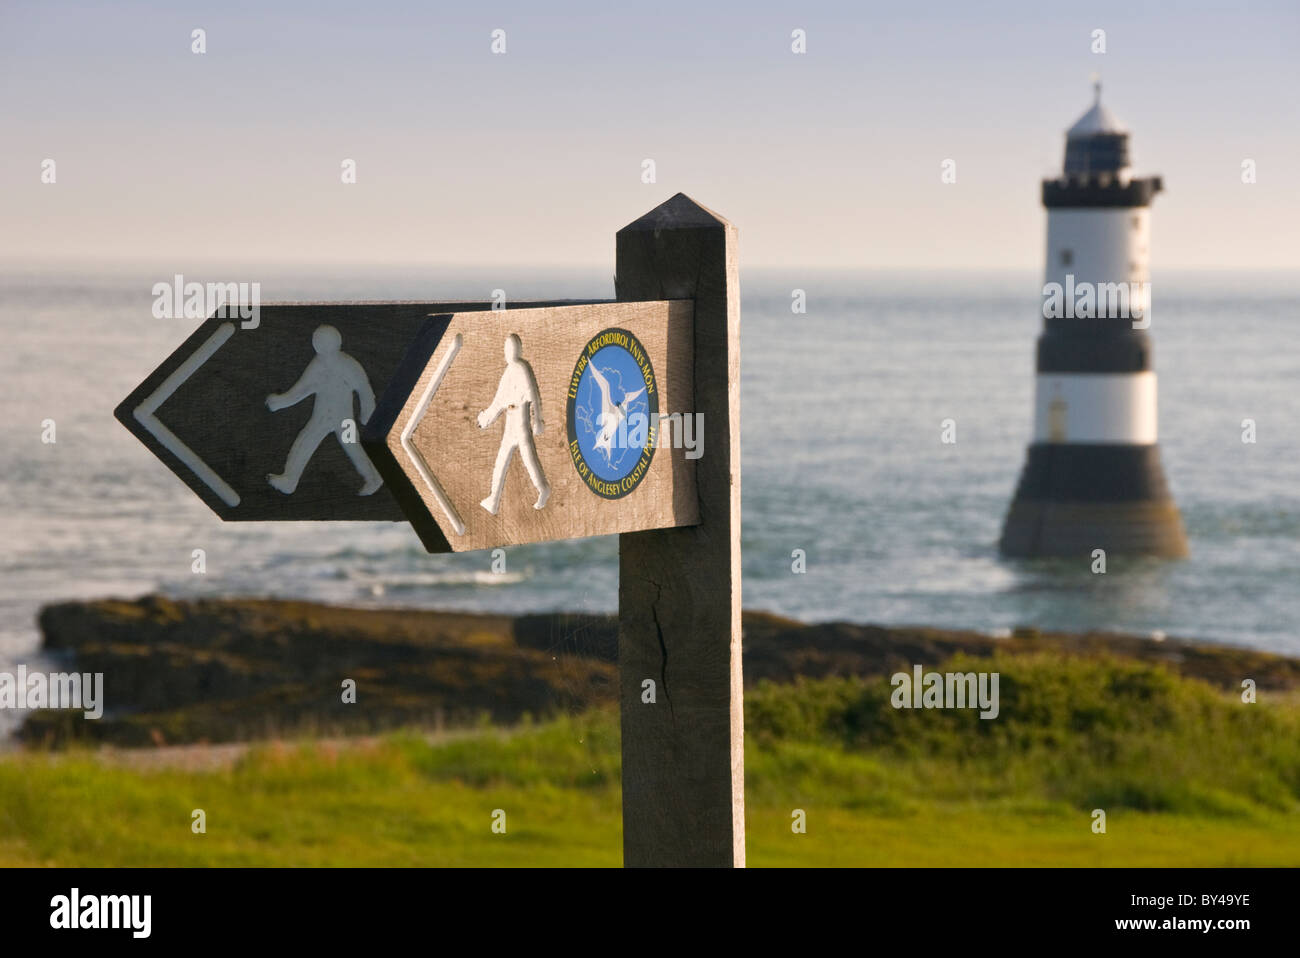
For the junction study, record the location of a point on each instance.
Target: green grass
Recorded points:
(1187, 775)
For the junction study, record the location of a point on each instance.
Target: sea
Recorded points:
(845, 472)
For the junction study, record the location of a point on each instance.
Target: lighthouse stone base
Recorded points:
(1075, 498)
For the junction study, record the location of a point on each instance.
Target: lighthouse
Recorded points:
(1093, 477)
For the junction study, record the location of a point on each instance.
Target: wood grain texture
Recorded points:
(680, 589)
(219, 410)
(444, 437)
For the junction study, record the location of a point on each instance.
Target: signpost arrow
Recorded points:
(265, 422)
(536, 424)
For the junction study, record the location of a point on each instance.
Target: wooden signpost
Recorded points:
(489, 428)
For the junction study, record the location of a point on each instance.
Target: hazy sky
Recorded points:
(535, 156)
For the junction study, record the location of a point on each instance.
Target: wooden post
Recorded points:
(679, 589)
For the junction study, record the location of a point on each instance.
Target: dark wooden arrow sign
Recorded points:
(265, 422)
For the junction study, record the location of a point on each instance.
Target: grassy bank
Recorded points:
(1187, 775)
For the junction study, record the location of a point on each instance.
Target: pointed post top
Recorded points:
(677, 212)
(1096, 88)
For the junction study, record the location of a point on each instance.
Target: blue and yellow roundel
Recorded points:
(613, 413)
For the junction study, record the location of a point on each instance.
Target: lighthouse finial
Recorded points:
(1096, 87)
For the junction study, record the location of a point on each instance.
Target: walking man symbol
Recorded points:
(332, 377)
(518, 398)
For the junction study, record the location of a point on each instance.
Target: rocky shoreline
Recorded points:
(226, 670)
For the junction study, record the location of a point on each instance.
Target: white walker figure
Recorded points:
(611, 414)
(332, 377)
(518, 398)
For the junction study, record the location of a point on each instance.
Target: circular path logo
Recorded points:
(613, 413)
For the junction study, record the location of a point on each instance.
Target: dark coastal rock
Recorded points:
(220, 670)
(232, 669)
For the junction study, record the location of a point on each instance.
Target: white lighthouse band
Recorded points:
(1098, 245)
(1095, 408)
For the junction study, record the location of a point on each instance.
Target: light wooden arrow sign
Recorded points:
(549, 423)
(265, 422)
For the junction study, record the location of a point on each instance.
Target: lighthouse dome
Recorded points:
(1098, 141)
(1098, 119)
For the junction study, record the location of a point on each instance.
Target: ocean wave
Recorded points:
(383, 584)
